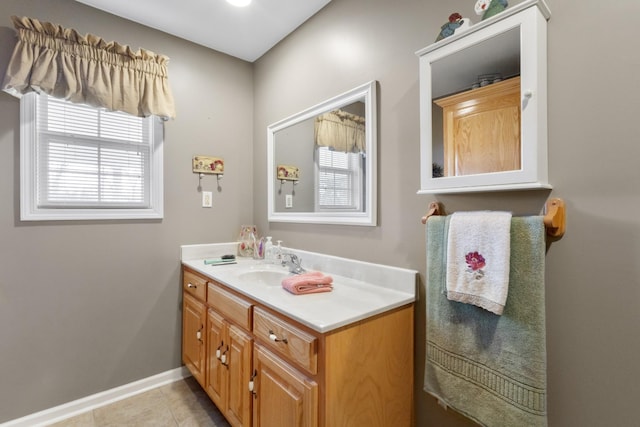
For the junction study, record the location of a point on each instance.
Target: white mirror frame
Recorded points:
(368, 217)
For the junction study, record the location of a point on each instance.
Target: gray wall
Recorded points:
(593, 274)
(88, 306)
(294, 146)
(85, 307)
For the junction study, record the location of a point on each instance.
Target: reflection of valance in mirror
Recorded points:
(340, 131)
(87, 70)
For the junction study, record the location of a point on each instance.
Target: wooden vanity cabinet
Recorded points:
(228, 369)
(364, 371)
(229, 354)
(481, 129)
(264, 369)
(283, 395)
(193, 324)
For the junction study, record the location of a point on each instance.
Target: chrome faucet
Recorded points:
(293, 262)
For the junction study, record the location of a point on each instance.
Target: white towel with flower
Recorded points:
(478, 255)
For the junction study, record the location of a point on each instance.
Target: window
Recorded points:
(80, 162)
(340, 181)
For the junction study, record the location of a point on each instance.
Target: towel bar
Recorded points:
(554, 217)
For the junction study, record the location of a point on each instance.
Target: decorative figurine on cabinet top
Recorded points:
(488, 8)
(456, 24)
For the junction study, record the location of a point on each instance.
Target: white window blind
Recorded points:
(97, 163)
(339, 180)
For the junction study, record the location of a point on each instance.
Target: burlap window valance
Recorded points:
(340, 131)
(86, 69)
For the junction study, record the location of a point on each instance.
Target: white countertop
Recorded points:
(360, 289)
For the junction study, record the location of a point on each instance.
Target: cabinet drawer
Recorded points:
(230, 306)
(194, 285)
(299, 346)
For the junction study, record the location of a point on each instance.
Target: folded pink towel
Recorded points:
(311, 282)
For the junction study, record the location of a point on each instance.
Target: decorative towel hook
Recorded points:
(554, 217)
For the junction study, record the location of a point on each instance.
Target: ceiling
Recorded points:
(245, 32)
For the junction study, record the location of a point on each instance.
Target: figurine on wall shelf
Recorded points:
(456, 24)
(488, 8)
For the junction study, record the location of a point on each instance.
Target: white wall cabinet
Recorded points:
(512, 43)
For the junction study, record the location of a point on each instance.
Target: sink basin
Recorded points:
(264, 277)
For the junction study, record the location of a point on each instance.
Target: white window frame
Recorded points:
(354, 171)
(31, 211)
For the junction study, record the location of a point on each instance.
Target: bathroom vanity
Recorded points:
(270, 358)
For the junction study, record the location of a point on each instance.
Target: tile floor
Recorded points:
(182, 403)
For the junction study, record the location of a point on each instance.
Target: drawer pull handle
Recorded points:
(223, 356)
(191, 285)
(273, 337)
(252, 384)
(218, 352)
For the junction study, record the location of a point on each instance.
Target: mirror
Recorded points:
(321, 162)
(483, 105)
(472, 104)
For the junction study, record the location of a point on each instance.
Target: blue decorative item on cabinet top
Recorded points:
(456, 24)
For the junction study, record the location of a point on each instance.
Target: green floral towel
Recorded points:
(490, 368)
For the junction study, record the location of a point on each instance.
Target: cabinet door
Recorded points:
(238, 410)
(510, 43)
(193, 336)
(284, 396)
(482, 129)
(217, 344)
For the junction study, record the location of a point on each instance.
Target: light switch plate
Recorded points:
(288, 201)
(207, 199)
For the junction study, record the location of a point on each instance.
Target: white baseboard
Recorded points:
(86, 404)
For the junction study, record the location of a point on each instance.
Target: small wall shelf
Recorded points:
(512, 43)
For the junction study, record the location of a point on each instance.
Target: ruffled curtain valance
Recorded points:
(86, 69)
(340, 131)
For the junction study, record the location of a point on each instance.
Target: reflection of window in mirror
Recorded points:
(340, 182)
(340, 151)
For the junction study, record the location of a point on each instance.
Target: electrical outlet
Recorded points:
(288, 201)
(207, 199)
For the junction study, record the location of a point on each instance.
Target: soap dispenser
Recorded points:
(269, 251)
(278, 253)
